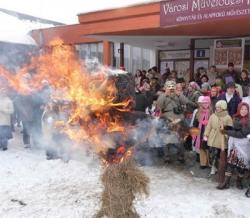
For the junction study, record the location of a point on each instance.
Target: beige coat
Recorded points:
(212, 132)
(6, 109)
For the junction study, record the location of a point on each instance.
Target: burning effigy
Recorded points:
(122, 181)
(93, 115)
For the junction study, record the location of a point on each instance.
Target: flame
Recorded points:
(92, 107)
(118, 155)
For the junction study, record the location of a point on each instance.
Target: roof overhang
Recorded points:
(143, 20)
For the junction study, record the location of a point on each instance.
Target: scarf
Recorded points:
(221, 114)
(203, 121)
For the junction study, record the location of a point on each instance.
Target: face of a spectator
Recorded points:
(212, 70)
(205, 105)
(230, 68)
(218, 109)
(179, 87)
(204, 79)
(205, 89)
(183, 85)
(173, 75)
(244, 111)
(243, 75)
(213, 92)
(190, 88)
(170, 90)
(230, 90)
(138, 73)
(218, 81)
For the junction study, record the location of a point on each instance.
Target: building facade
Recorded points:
(182, 35)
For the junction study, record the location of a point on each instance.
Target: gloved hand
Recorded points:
(228, 128)
(204, 145)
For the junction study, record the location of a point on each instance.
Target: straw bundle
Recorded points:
(122, 182)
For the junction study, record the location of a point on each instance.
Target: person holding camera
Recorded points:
(172, 106)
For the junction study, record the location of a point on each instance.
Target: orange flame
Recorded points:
(119, 155)
(91, 96)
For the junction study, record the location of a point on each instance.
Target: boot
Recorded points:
(239, 184)
(167, 159)
(213, 170)
(248, 192)
(225, 184)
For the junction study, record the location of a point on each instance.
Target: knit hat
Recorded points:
(205, 86)
(204, 99)
(222, 104)
(200, 99)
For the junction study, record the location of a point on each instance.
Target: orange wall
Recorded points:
(102, 22)
(125, 12)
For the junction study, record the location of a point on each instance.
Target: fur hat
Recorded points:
(222, 104)
(170, 84)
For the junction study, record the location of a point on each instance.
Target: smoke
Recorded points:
(151, 136)
(14, 56)
(74, 110)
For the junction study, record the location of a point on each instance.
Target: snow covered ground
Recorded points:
(32, 187)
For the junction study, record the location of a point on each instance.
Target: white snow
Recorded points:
(54, 189)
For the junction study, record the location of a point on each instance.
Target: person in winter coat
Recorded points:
(247, 98)
(26, 112)
(244, 81)
(230, 75)
(215, 139)
(193, 93)
(238, 147)
(54, 120)
(214, 95)
(201, 120)
(232, 98)
(6, 109)
(173, 103)
(172, 110)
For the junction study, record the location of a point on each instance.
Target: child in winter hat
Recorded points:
(222, 104)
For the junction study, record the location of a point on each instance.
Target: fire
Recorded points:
(118, 155)
(93, 110)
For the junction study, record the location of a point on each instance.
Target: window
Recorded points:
(91, 50)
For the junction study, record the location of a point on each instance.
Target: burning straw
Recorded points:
(122, 181)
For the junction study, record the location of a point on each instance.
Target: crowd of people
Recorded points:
(217, 113)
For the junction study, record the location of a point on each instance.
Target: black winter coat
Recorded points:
(232, 105)
(238, 130)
